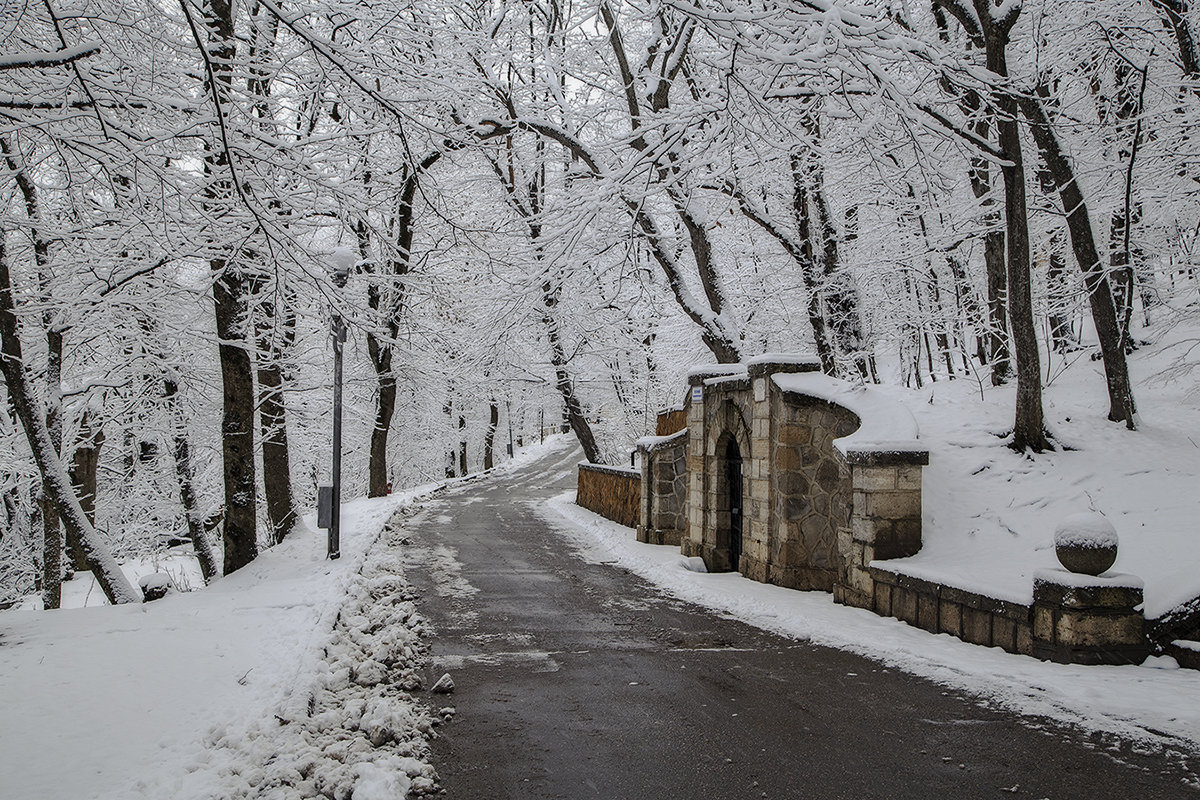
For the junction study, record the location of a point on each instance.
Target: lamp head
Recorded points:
(341, 262)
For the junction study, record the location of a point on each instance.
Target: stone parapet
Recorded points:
(664, 510)
(936, 608)
(1085, 619)
(612, 492)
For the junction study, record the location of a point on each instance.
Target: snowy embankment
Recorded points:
(990, 513)
(1135, 703)
(185, 697)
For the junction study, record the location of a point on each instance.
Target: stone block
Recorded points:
(977, 626)
(1004, 634)
(1085, 629)
(863, 529)
(1084, 597)
(894, 505)
(882, 576)
(904, 604)
(787, 458)
(895, 538)
(874, 479)
(1024, 639)
(908, 477)
(794, 435)
(1043, 623)
(845, 542)
(861, 581)
(927, 612)
(950, 618)
(883, 599)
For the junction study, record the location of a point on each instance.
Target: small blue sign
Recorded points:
(697, 394)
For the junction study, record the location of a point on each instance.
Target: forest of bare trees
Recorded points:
(556, 208)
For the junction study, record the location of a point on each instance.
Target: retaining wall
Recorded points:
(612, 492)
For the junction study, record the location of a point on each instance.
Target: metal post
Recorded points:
(341, 263)
(335, 519)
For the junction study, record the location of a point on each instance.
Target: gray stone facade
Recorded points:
(814, 516)
(664, 489)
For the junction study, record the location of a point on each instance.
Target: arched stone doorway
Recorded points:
(735, 501)
(729, 504)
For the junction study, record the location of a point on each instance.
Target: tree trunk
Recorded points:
(85, 462)
(489, 438)
(277, 471)
(385, 407)
(562, 378)
(240, 533)
(29, 410)
(996, 325)
(1083, 243)
(184, 474)
(230, 293)
(1029, 432)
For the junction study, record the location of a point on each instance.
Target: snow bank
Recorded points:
(95, 695)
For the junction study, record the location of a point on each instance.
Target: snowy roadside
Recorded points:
(177, 698)
(1144, 704)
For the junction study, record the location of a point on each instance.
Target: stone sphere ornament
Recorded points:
(1086, 543)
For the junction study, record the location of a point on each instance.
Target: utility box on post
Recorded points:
(324, 506)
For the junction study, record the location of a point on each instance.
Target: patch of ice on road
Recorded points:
(446, 570)
(1140, 703)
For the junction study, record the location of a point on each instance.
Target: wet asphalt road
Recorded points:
(576, 680)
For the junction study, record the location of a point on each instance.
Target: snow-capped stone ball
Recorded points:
(1086, 543)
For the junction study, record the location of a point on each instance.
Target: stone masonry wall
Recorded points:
(611, 492)
(664, 490)
(974, 618)
(810, 491)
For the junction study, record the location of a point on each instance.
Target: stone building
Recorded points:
(779, 472)
(786, 476)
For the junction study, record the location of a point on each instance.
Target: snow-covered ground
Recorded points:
(990, 514)
(1144, 703)
(184, 697)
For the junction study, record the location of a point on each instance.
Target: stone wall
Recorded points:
(611, 492)
(1074, 619)
(972, 617)
(810, 492)
(671, 421)
(663, 489)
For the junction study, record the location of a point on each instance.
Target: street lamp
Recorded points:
(341, 261)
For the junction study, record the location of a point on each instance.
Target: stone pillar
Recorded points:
(693, 543)
(1086, 619)
(644, 521)
(885, 522)
(762, 516)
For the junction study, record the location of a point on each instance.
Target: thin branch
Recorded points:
(36, 60)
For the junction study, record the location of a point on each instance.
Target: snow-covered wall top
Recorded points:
(652, 442)
(785, 358)
(609, 468)
(713, 370)
(886, 428)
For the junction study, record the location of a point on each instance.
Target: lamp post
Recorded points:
(341, 262)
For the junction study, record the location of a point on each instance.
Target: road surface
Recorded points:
(576, 680)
